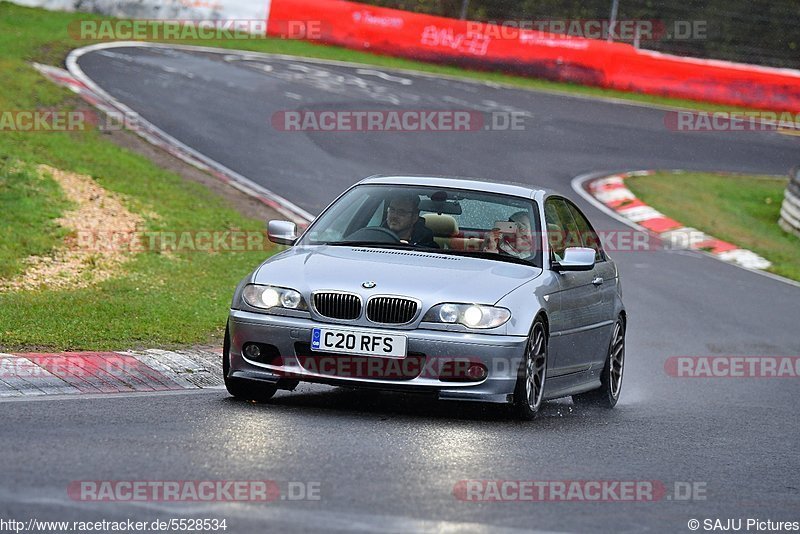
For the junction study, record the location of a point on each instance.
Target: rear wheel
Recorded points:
(611, 378)
(243, 389)
(532, 372)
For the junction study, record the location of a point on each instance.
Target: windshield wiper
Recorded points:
(377, 244)
(488, 256)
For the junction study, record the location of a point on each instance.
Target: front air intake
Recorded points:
(336, 305)
(391, 310)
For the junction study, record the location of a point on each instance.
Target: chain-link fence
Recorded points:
(765, 32)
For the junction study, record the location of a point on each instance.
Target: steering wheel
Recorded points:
(378, 234)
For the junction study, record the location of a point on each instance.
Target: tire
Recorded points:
(607, 394)
(243, 389)
(529, 391)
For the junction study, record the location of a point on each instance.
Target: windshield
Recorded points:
(447, 221)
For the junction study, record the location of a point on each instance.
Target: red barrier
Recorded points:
(537, 54)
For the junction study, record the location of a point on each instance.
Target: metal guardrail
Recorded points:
(790, 209)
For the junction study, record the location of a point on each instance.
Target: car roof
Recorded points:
(473, 184)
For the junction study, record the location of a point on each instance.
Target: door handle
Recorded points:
(597, 281)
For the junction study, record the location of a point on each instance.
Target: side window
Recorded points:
(562, 230)
(589, 237)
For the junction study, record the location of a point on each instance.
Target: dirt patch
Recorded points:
(83, 260)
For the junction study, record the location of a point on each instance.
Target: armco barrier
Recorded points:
(790, 209)
(533, 53)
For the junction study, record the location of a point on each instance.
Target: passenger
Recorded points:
(522, 245)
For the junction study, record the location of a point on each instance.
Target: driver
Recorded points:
(402, 217)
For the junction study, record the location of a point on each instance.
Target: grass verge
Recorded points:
(740, 209)
(29, 204)
(157, 299)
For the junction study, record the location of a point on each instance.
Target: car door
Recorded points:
(578, 319)
(605, 279)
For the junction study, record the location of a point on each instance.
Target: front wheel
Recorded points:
(611, 378)
(529, 391)
(242, 389)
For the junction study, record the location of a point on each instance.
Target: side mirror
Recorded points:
(282, 232)
(576, 259)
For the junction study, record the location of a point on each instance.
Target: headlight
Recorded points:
(448, 313)
(470, 315)
(266, 297)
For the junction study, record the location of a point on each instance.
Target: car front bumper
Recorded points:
(432, 349)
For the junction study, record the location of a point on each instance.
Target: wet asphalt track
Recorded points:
(388, 462)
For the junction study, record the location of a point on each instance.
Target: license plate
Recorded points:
(359, 342)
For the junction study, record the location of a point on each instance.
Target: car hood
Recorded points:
(429, 277)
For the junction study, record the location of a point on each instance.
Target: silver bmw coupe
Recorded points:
(464, 289)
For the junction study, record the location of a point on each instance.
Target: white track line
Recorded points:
(397, 70)
(131, 395)
(243, 183)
